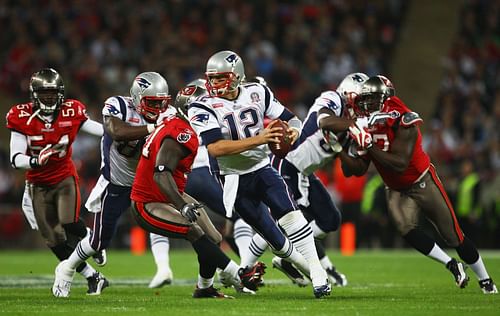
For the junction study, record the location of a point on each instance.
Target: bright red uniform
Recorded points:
(144, 188)
(61, 133)
(383, 136)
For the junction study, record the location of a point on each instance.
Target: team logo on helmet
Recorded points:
(357, 78)
(142, 83)
(233, 58)
(188, 90)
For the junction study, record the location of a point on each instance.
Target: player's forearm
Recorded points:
(225, 147)
(168, 187)
(392, 161)
(121, 131)
(352, 166)
(18, 148)
(335, 124)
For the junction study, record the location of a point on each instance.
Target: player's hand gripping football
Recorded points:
(270, 134)
(44, 155)
(190, 211)
(293, 133)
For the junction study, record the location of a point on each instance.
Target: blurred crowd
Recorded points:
(301, 50)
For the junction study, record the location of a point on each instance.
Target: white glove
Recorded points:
(332, 140)
(362, 122)
(44, 155)
(361, 136)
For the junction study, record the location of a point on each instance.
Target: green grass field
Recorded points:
(380, 283)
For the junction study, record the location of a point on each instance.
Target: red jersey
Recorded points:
(383, 136)
(144, 188)
(60, 133)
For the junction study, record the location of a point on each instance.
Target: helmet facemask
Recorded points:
(219, 84)
(47, 91)
(150, 96)
(151, 107)
(370, 102)
(224, 73)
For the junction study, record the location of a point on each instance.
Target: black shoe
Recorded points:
(289, 270)
(209, 292)
(323, 290)
(458, 271)
(100, 258)
(97, 282)
(488, 286)
(336, 278)
(251, 278)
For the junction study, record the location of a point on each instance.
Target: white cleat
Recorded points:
(63, 278)
(161, 278)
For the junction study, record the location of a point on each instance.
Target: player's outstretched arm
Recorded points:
(353, 166)
(92, 127)
(120, 131)
(223, 147)
(398, 158)
(327, 120)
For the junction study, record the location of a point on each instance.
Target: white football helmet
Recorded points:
(225, 72)
(149, 94)
(350, 88)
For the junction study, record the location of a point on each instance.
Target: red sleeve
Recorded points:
(74, 109)
(18, 116)
(186, 137)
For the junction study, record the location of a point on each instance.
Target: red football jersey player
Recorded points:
(42, 132)
(390, 137)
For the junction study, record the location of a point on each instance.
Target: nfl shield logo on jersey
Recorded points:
(183, 137)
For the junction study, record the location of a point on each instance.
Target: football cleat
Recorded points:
(289, 270)
(336, 278)
(458, 271)
(488, 286)
(161, 278)
(63, 278)
(97, 282)
(209, 292)
(251, 278)
(322, 290)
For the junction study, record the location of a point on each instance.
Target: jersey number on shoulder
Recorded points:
(247, 118)
(61, 146)
(22, 108)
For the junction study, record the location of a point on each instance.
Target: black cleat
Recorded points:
(251, 278)
(97, 282)
(323, 290)
(100, 258)
(336, 278)
(488, 286)
(458, 271)
(289, 270)
(209, 292)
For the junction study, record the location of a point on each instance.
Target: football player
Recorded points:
(42, 132)
(312, 151)
(160, 204)
(127, 121)
(391, 139)
(230, 121)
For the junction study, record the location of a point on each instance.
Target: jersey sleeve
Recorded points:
(115, 107)
(204, 122)
(329, 100)
(410, 118)
(185, 137)
(273, 107)
(14, 119)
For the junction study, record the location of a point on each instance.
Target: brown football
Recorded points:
(282, 148)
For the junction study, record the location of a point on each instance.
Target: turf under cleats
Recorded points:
(209, 292)
(323, 290)
(290, 271)
(63, 279)
(488, 286)
(251, 277)
(336, 278)
(458, 271)
(161, 278)
(96, 283)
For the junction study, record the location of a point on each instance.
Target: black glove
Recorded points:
(190, 211)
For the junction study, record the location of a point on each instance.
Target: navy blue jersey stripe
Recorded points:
(210, 136)
(286, 115)
(106, 148)
(123, 108)
(203, 107)
(267, 97)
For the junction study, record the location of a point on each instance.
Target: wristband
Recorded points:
(151, 127)
(34, 162)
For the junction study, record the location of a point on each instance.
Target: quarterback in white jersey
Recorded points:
(127, 121)
(230, 121)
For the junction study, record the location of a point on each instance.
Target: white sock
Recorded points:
(160, 246)
(301, 235)
(204, 283)
(232, 268)
(290, 254)
(326, 263)
(479, 269)
(242, 233)
(82, 252)
(88, 271)
(317, 232)
(438, 254)
(253, 252)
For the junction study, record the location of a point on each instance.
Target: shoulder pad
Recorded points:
(410, 118)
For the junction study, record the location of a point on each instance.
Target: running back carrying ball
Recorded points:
(282, 148)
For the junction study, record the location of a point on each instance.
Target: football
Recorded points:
(282, 148)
